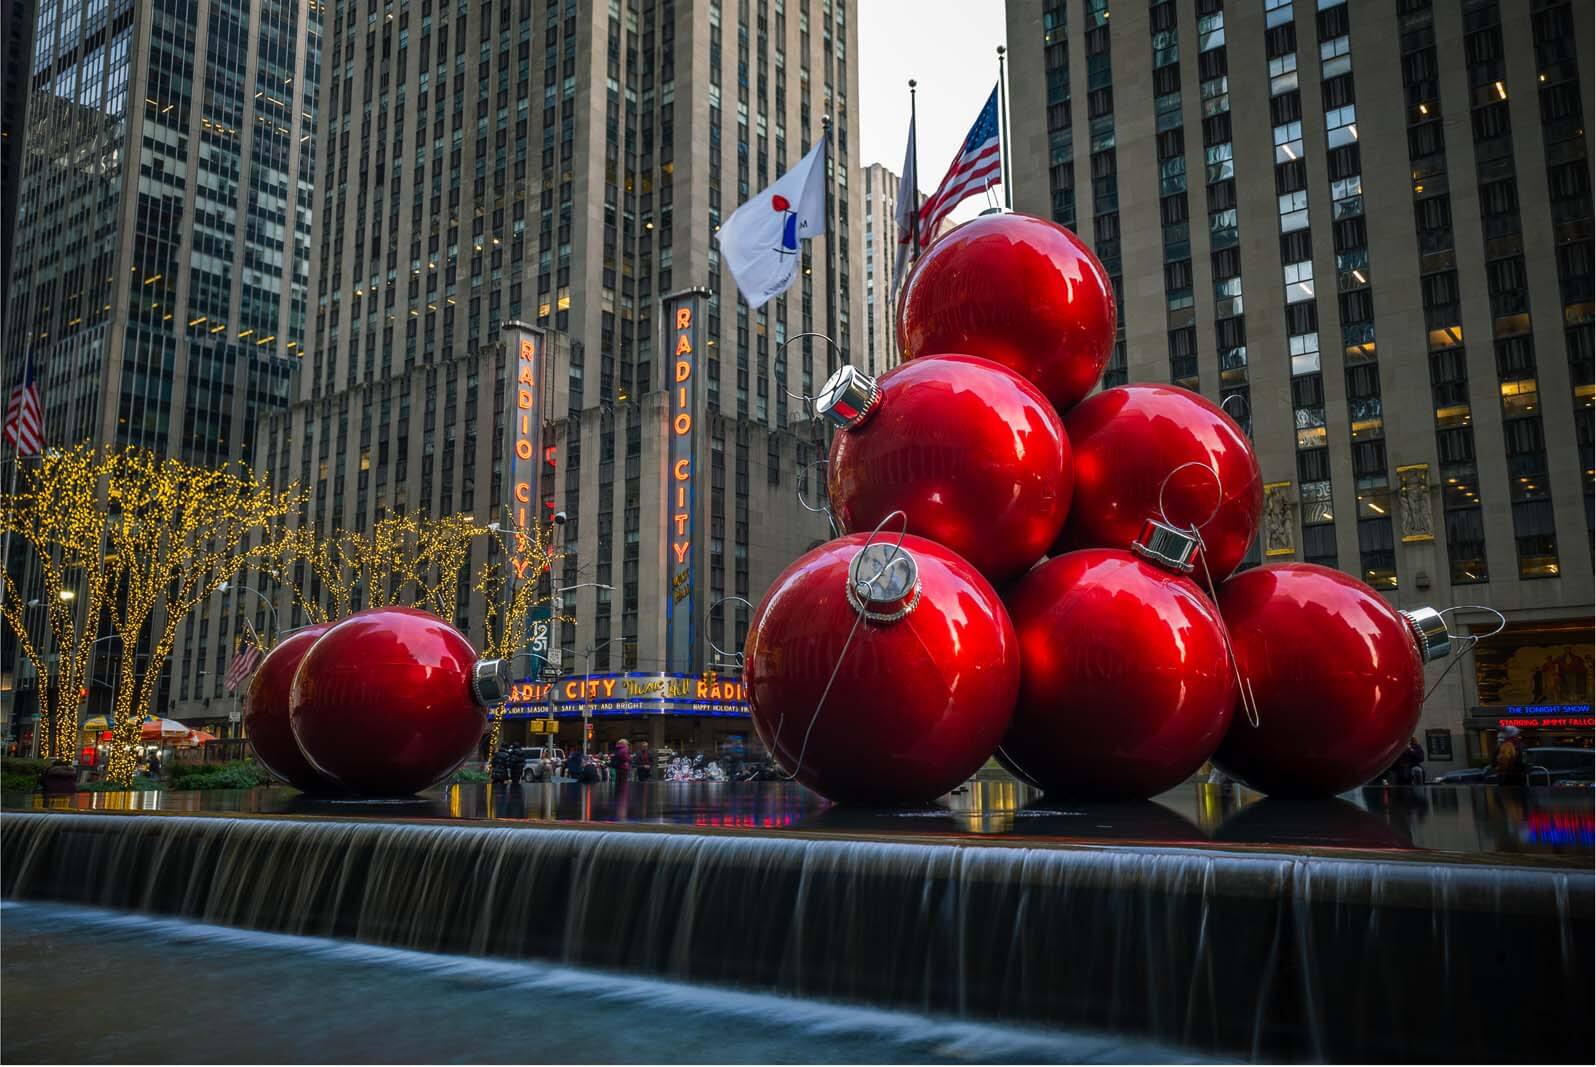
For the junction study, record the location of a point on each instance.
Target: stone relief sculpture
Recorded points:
(1415, 514)
(1279, 527)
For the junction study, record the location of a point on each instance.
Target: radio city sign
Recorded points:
(631, 693)
(682, 336)
(524, 437)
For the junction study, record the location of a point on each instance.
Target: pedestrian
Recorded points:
(155, 764)
(622, 760)
(1510, 766)
(645, 762)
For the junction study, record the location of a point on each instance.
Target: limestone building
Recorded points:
(1366, 229)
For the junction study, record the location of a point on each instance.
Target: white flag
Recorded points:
(908, 209)
(761, 239)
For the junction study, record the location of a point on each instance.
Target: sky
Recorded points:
(950, 48)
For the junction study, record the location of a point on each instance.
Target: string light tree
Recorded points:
(508, 603)
(57, 512)
(401, 559)
(176, 532)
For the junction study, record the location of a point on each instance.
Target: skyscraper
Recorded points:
(161, 269)
(1391, 293)
(162, 246)
(881, 252)
(567, 165)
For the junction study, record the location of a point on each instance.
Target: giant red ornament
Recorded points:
(971, 452)
(1128, 442)
(390, 700)
(1126, 685)
(266, 714)
(922, 693)
(1017, 289)
(1336, 674)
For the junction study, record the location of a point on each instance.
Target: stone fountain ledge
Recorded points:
(1258, 953)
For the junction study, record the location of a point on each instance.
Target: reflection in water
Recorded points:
(1330, 823)
(1556, 822)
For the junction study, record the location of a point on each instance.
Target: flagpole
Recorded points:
(914, 190)
(831, 274)
(1004, 167)
(5, 561)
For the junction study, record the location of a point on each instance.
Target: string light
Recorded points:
(143, 541)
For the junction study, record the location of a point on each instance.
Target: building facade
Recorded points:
(881, 251)
(1374, 248)
(161, 269)
(162, 265)
(531, 161)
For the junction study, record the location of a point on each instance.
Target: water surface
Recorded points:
(91, 986)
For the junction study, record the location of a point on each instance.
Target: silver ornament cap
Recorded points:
(1429, 630)
(848, 398)
(490, 682)
(884, 582)
(1168, 546)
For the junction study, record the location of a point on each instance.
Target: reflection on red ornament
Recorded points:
(1134, 442)
(1126, 686)
(390, 700)
(971, 452)
(920, 689)
(1336, 673)
(266, 713)
(1017, 289)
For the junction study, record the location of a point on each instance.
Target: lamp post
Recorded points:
(262, 597)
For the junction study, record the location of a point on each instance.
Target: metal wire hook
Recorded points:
(804, 398)
(1472, 639)
(1219, 498)
(737, 656)
(863, 588)
(836, 531)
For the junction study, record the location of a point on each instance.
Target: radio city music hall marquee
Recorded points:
(631, 693)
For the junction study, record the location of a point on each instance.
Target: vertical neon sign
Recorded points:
(524, 444)
(681, 314)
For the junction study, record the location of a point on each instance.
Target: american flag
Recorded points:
(244, 662)
(24, 416)
(978, 165)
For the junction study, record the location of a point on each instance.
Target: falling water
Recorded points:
(1263, 955)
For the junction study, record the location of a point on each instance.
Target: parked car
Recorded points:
(1547, 766)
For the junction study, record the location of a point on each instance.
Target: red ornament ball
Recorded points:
(924, 690)
(385, 703)
(1017, 289)
(1129, 441)
(266, 714)
(1336, 675)
(1126, 686)
(971, 452)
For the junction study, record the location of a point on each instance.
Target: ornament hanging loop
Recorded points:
(732, 657)
(1219, 495)
(1465, 643)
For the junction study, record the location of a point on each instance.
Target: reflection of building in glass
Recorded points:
(1373, 246)
(160, 278)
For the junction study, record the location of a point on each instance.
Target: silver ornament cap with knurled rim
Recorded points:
(848, 398)
(1168, 546)
(490, 682)
(1429, 630)
(884, 582)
